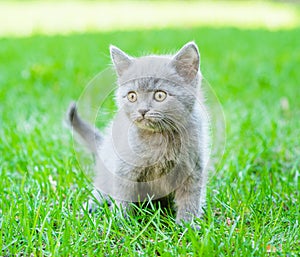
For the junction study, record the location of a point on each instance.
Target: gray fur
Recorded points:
(166, 151)
(91, 136)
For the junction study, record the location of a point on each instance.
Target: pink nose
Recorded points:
(143, 111)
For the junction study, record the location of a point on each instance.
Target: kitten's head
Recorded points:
(158, 92)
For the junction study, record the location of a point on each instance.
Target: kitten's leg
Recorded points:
(188, 200)
(117, 192)
(121, 207)
(89, 134)
(126, 193)
(97, 199)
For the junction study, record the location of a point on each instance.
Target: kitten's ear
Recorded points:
(121, 60)
(187, 61)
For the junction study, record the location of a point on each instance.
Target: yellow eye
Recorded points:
(160, 96)
(132, 96)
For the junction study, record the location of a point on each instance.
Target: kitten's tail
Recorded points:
(90, 135)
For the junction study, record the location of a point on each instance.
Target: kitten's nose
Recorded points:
(143, 111)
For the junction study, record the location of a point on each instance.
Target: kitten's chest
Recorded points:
(157, 155)
(154, 172)
(157, 149)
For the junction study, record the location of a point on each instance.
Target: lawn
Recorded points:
(253, 198)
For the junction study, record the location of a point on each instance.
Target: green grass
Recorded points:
(252, 201)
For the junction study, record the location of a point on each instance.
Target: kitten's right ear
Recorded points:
(187, 61)
(121, 60)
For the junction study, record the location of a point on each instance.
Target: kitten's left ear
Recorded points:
(187, 61)
(121, 60)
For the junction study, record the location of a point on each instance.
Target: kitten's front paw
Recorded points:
(184, 222)
(90, 206)
(121, 209)
(185, 218)
(96, 201)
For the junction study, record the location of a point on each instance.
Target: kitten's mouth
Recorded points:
(147, 124)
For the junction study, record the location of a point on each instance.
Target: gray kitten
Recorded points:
(157, 144)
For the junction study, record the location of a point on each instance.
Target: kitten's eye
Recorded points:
(131, 96)
(160, 96)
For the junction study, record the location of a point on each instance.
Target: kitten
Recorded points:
(157, 144)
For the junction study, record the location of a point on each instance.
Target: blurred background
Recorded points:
(25, 18)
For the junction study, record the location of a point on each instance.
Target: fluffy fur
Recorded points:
(157, 144)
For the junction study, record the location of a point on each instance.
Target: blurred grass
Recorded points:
(23, 18)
